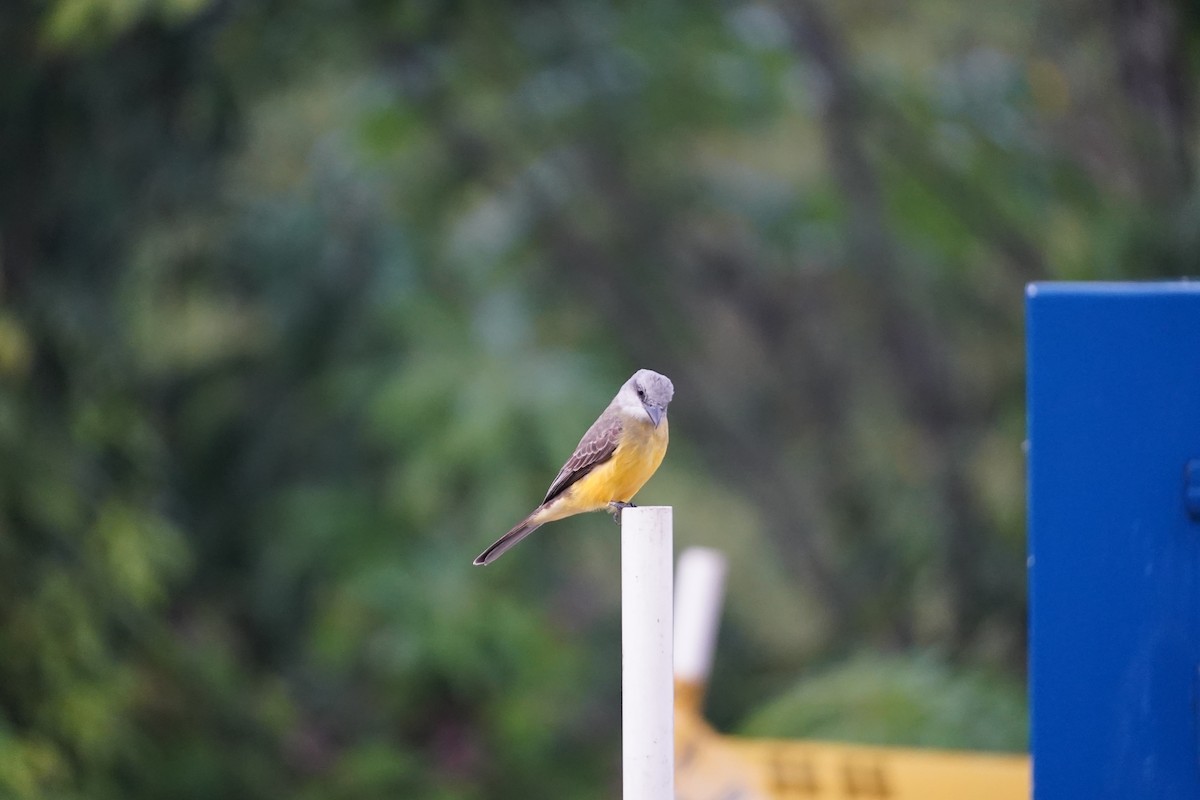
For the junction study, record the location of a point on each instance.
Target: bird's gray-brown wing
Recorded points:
(596, 447)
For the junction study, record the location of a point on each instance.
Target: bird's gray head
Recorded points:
(647, 395)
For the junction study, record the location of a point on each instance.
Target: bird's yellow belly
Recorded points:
(636, 458)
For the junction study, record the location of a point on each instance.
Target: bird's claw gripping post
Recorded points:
(617, 507)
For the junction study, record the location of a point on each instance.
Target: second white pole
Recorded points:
(647, 688)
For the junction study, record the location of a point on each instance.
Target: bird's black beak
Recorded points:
(656, 414)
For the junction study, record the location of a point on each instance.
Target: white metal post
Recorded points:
(647, 715)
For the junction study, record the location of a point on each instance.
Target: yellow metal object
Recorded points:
(709, 766)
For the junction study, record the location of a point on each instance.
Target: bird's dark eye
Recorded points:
(641, 394)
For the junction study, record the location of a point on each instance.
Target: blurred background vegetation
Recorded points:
(303, 302)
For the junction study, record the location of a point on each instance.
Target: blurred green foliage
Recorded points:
(302, 304)
(910, 700)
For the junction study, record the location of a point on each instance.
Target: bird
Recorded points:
(613, 460)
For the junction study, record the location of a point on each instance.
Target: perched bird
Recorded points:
(616, 456)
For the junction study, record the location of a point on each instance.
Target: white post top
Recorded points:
(699, 592)
(647, 688)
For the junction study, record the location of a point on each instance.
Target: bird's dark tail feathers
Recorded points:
(509, 540)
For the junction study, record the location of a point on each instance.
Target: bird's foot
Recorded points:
(617, 507)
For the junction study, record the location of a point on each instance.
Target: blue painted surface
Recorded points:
(1114, 556)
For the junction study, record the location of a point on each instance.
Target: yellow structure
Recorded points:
(709, 766)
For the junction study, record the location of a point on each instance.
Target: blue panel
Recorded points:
(1114, 420)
